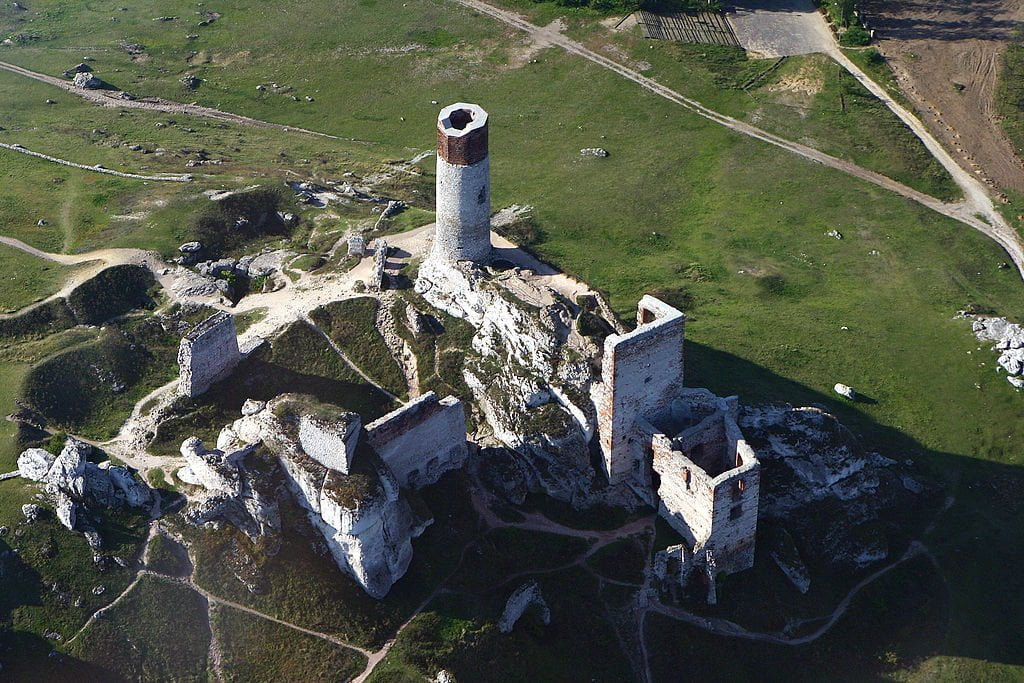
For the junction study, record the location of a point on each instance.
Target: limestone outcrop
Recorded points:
(528, 372)
(232, 492)
(1009, 342)
(828, 494)
(73, 484)
(34, 463)
(351, 491)
(522, 598)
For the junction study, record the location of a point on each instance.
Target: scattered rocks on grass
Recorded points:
(1009, 342)
(32, 512)
(594, 152)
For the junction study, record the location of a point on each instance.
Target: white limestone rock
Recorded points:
(251, 407)
(214, 470)
(68, 471)
(845, 391)
(35, 463)
(32, 512)
(522, 599)
(66, 509)
(1009, 342)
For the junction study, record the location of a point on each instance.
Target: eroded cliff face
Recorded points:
(365, 519)
(530, 373)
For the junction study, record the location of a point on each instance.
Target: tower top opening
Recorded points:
(462, 133)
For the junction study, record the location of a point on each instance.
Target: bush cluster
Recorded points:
(239, 218)
(113, 292)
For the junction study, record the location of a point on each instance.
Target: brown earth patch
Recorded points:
(947, 57)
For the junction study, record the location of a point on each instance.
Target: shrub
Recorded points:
(113, 292)
(239, 218)
(855, 36)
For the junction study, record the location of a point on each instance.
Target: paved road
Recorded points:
(779, 28)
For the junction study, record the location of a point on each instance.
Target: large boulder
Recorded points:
(68, 471)
(35, 463)
(88, 81)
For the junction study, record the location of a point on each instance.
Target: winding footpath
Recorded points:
(121, 100)
(976, 210)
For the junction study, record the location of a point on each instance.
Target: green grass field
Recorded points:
(159, 630)
(27, 279)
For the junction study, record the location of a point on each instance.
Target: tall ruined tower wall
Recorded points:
(463, 190)
(641, 373)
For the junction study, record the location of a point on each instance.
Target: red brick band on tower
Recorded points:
(456, 146)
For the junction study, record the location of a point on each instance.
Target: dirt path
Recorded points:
(724, 627)
(108, 98)
(977, 200)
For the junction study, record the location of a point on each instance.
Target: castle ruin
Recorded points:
(678, 449)
(207, 354)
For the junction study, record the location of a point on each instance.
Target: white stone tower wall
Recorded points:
(463, 231)
(463, 186)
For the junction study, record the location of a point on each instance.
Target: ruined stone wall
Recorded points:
(714, 511)
(421, 440)
(734, 519)
(463, 186)
(686, 494)
(708, 446)
(380, 262)
(207, 354)
(332, 443)
(641, 373)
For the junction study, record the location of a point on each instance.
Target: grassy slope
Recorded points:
(257, 649)
(159, 631)
(351, 325)
(27, 279)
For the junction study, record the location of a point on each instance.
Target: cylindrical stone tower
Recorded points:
(463, 230)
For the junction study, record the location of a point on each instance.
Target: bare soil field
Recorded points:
(947, 57)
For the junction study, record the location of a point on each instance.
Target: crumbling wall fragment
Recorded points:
(422, 440)
(208, 354)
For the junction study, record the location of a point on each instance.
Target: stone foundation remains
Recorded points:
(207, 354)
